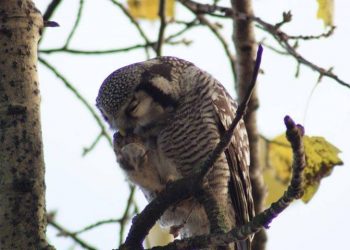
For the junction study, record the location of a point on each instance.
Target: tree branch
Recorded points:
(73, 236)
(245, 45)
(97, 224)
(263, 219)
(274, 30)
(51, 9)
(87, 150)
(76, 23)
(80, 98)
(241, 110)
(137, 25)
(126, 214)
(162, 17)
(95, 52)
(215, 31)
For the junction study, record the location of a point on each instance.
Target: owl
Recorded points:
(168, 116)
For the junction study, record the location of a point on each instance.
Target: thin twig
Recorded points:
(188, 26)
(137, 25)
(266, 45)
(218, 35)
(80, 98)
(274, 30)
(95, 52)
(224, 142)
(76, 24)
(96, 224)
(93, 144)
(314, 37)
(126, 214)
(51, 9)
(162, 17)
(48, 14)
(65, 232)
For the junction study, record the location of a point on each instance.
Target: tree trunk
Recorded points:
(245, 44)
(22, 186)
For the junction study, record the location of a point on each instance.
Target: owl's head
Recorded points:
(141, 94)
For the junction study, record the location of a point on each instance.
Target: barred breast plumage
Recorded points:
(179, 112)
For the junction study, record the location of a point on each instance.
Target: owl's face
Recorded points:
(141, 95)
(140, 110)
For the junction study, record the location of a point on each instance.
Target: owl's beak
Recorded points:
(122, 132)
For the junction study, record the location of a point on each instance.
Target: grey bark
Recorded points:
(245, 45)
(22, 186)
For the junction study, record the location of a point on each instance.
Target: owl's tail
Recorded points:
(244, 245)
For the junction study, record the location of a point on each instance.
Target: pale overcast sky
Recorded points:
(84, 190)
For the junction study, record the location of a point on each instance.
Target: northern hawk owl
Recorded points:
(169, 115)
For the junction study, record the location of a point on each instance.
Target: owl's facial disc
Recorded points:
(143, 109)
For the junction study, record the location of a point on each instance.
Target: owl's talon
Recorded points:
(175, 230)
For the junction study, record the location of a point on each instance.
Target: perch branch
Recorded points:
(263, 219)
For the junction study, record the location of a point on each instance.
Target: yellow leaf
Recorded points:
(309, 192)
(149, 9)
(321, 158)
(159, 236)
(325, 11)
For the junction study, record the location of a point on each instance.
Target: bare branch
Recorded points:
(188, 26)
(273, 30)
(51, 9)
(76, 23)
(137, 25)
(93, 144)
(95, 52)
(274, 49)
(162, 17)
(215, 31)
(125, 216)
(66, 233)
(242, 108)
(97, 224)
(262, 220)
(245, 44)
(80, 98)
(314, 37)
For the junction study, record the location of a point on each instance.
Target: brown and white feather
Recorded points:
(197, 111)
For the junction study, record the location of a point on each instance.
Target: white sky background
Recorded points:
(84, 190)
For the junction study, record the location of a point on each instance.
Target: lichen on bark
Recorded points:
(22, 185)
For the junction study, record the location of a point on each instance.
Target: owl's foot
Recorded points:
(132, 157)
(175, 230)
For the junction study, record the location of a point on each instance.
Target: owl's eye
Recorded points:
(132, 106)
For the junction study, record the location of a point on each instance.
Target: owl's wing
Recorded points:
(237, 155)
